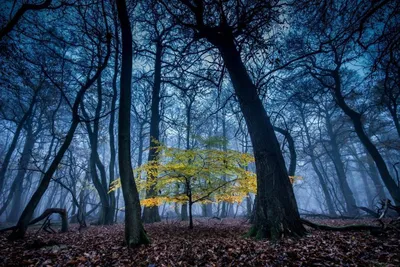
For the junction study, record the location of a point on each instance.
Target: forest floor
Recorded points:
(210, 243)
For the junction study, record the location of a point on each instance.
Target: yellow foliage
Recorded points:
(213, 176)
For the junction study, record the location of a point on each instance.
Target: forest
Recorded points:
(199, 133)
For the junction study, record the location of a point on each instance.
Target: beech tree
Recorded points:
(226, 26)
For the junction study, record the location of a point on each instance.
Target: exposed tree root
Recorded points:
(353, 227)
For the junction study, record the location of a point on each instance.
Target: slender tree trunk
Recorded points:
(356, 119)
(374, 175)
(368, 193)
(276, 211)
(141, 140)
(134, 231)
(184, 209)
(351, 205)
(189, 194)
(19, 179)
(150, 214)
(111, 167)
(292, 150)
(14, 141)
(324, 186)
(363, 173)
(100, 183)
(224, 208)
(248, 206)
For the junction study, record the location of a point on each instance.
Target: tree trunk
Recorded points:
(134, 231)
(111, 167)
(184, 209)
(207, 210)
(324, 186)
(248, 206)
(189, 194)
(150, 214)
(374, 175)
(276, 210)
(15, 192)
(100, 183)
(141, 140)
(351, 205)
(292, 150)
(362, 169)
(224, 208)
(14, 141)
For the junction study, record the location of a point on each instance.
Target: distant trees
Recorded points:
(330, 70)
(102, 52)
(313, 91)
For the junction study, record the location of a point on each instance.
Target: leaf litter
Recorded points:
(210, 243)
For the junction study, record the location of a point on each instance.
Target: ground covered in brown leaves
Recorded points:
(211, 243)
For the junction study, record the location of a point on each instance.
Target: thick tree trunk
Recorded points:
(351, 205)
(276, 210)
(134, 231)
(355, 117)
(150, 214)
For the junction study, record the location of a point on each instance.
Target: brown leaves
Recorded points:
(208, 244)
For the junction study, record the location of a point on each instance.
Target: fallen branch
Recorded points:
(45, 215)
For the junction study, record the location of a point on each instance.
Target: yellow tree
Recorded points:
(201, 175)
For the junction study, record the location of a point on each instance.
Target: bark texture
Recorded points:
(134, 231)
